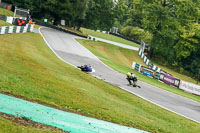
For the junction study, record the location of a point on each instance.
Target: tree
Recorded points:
(160, 21)
(100, 14)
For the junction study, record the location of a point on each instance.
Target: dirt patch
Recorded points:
(26, 122)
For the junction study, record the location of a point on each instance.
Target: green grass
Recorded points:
(121, 60)
(11, 127)
(6, 12)
(29, 69)
(3, 23)
(108, 37)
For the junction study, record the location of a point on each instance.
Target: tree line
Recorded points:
(174, 28)
(94, 14)
(171, 27)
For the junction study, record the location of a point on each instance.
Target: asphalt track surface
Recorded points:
(70, 51)
(117, 44)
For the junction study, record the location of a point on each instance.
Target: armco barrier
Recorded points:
(16, 29)
(189, 87)
(126, 38)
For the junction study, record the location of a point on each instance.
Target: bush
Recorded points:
(136, 33)
(126, 31)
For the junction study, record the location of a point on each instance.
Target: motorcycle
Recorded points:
(134, 82)
(86, 68)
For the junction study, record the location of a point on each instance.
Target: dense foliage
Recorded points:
(170, 26)
(174, 25)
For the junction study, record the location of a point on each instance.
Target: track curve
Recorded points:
(70, 51)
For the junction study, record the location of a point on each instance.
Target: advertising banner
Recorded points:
(189, 87)
(170, 80)
(20, 22)
(147, 71)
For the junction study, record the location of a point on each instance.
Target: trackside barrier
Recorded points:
(91, 38)
(167, 79)
(105, 32)
(147, 71)
(16, 29)
(164, 77)
(124, 37)
(157, 75)
(189, 87)
(136, 66)
(147, 61)
(10, 19)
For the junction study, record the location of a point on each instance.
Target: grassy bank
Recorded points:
(121, 60)
(108, 37)
(6, 12)
(30, 70)
(3, 23)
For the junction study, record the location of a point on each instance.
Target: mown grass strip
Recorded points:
(108, 37)
(30, 70)
(121, 60)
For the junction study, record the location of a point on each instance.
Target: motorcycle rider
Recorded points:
(86, 68)
(132, 77)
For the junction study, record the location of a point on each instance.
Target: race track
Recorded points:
(69, 50)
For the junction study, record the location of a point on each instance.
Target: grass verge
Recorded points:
(3, 23)
(108, 37)
(30, 70)
(121, 60)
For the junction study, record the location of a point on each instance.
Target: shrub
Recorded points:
(136, 33)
